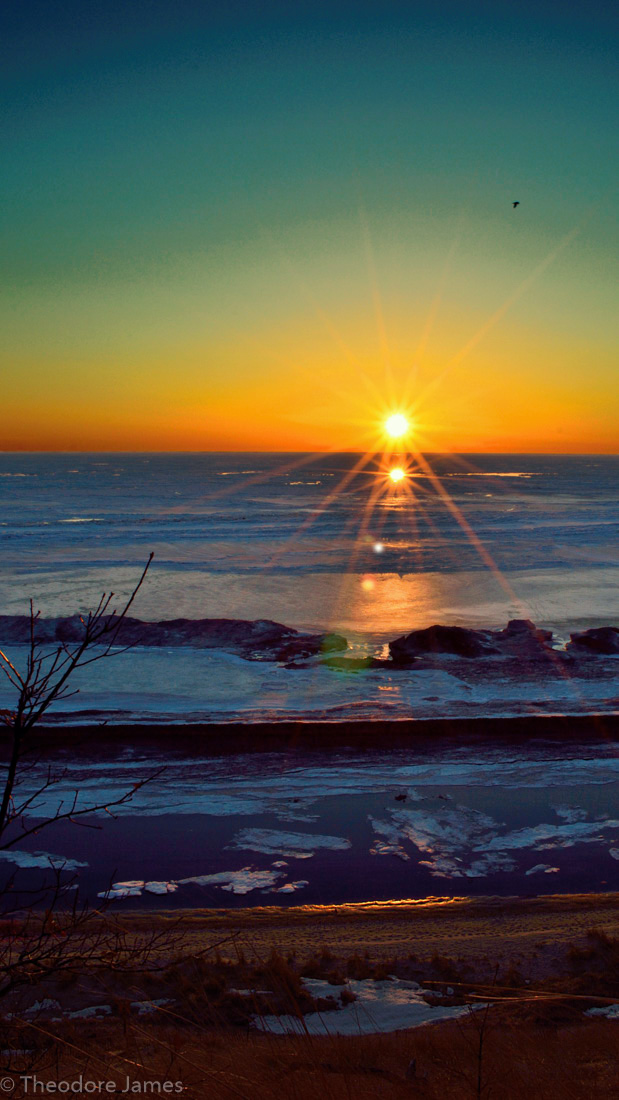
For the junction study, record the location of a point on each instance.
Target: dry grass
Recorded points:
(520, 1060)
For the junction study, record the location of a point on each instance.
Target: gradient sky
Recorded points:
(264, 225)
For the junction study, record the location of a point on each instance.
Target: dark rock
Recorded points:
(600, 639)
(520, 639)
(521, 633)
(456, 640)
(309, 645)
(259, 639)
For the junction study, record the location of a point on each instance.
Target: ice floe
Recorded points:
(379, 1006)
(444, 867)
(134, 887)
(545, 836)
(542, 868)
(446, 836)
(27, 860)
(242, 785)
(571, 813)
(293, 845)
(460, 842)
(131, 889)
(160, 887)
(236, 882)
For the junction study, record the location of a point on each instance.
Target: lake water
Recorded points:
(312, 542)
(326, 827)
(307, 541)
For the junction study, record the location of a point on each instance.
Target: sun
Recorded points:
(397, 474)
(397, 425)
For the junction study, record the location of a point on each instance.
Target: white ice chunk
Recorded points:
(130, 889)
(291, 887)
(544, 868)
(160, 887)
(384, 848)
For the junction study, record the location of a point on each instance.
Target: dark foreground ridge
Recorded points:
(265, 640)
(295, 736)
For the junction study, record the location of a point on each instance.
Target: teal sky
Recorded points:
(184, 182)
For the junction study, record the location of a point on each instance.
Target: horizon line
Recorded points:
(209, 451)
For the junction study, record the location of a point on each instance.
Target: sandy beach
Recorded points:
(534, 932)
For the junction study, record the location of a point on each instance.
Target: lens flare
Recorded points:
(397, 425)
(397, 474)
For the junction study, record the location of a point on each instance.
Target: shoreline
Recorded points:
(236, 736)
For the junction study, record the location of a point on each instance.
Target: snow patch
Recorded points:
(611, 1012)
(144, 1008)
(42, 1006)
(88, 1013)
(379, 1006)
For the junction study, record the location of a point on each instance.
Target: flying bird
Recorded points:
(515, 204)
